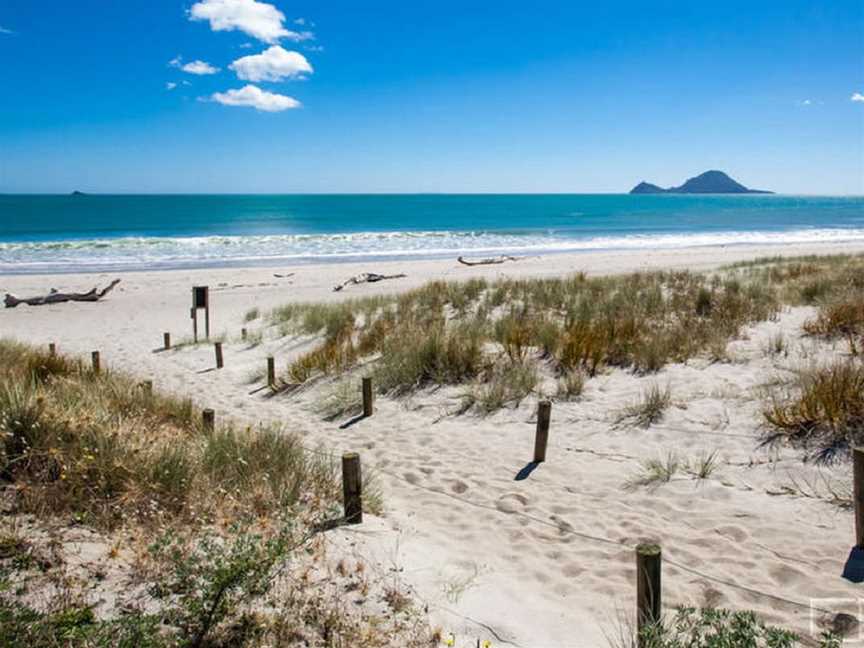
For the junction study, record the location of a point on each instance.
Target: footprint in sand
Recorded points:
(733, 533)
(459, 487)
(511, 503)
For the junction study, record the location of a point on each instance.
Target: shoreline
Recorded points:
(612, 261)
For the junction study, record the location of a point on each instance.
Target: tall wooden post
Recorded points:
(243, 334)
(200, 299)
(52, 349)
(352, 488)
(858, 494)
(368, 403)
(271, 372)
(648, 589)
(166, 340)
(544, 415)
(208, 420)
(97, 365)
(219, 360)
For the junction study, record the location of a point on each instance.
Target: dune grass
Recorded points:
(215, 516)
(102, 448)
(448, 333)
(650, 408)
(821, 410)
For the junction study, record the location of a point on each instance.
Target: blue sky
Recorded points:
(424, 96)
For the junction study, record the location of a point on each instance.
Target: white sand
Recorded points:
(485, 570)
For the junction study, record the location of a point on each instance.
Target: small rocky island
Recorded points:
(710, 182)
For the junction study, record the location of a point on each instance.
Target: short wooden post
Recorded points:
(367, 397)
(243, 334)
(147, 388)
(208, 419)
(858, 477)
(166, 340)
(544, 415)
(271, 371)
(648, 589)
(219, 360)
(52, 349)
(97, 365)
(352, 488)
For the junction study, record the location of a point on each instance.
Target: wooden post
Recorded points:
(352, 488)
(194, 316)
(97, 365)
(166, 340)
(208, 419)
(544, 415)
(648, 589)
(367, 397)
(271, 371)
(219, 360)
(52, 349)
(207, 318)
(243, 334)
(858, 477)
(147, 386)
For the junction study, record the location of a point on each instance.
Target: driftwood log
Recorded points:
(487, 261)
(55, 297)
(366, 277)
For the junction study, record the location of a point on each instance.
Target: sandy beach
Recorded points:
(544, 561)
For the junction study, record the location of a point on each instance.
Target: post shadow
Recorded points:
(352, 421)
(853, 570)
(530, 467)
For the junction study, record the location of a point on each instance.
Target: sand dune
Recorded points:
(546, 560)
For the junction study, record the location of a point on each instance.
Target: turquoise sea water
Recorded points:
(78, 233)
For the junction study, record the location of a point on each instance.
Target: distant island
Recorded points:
(78, 193)
(710, 182)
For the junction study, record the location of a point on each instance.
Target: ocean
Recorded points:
(126, 232)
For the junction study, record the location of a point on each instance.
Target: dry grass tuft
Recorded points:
(821, 410)
(650, 408)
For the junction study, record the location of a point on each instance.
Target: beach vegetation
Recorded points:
(821, 409)
(705, 465)
(717, 628)
(451, 333)
(650, 407)
(570, 385)
(654, 472)
(215, 518)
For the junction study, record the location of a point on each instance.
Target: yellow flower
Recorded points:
(487, 644)
(450, 641)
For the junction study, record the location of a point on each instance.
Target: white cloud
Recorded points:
(254, 97)
(199, 67)
(3, 30)
(258, 19)
(857, 96)
(273, 64)
(170, 85)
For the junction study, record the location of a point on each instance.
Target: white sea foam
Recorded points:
(144, 252)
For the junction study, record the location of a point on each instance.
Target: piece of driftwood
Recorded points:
(487, 261)
(366, 277)
(55, 297)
